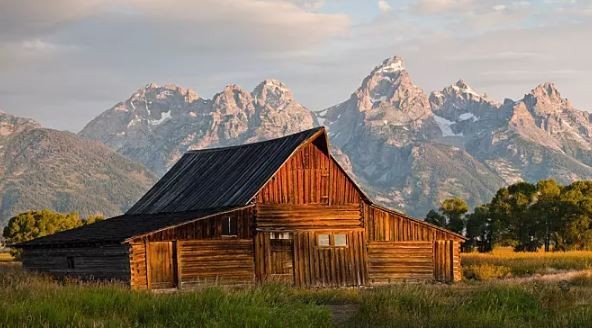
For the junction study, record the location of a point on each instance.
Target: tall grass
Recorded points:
(35, 301)
(493, 304)
(29, 300)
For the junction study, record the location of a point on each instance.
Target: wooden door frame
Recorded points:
(175, 260)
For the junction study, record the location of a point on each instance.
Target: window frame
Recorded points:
(331, 240)
(228, 224)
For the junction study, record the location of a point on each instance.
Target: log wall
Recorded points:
(216, 261)
(102, 262)
(202, 253)
(400, 248)
(398, 261)
(310, 216)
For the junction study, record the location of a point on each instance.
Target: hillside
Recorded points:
(44, 168)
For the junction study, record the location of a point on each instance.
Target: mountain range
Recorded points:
(409, 149)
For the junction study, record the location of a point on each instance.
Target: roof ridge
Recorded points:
(193, 151)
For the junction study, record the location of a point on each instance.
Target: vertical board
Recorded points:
(160, 265)
(310, 176)
(329, 266)
(444, 258)
(386, 225)
(282, 260)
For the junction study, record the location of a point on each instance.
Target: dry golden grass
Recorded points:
(503, 262)
(6, 257)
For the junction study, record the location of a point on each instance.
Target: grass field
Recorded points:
(503, 262)
(34, 300)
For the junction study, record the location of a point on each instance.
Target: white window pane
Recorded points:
(340, 240)
(323, 240)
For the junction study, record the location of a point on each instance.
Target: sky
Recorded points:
(62, 62)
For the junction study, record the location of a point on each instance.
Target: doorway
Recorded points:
(282, 257)
(161, 266)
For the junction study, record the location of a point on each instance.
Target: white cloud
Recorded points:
(64, 61)
(384, 6)
(499, 7)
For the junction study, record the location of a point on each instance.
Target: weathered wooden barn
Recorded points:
(278, 210)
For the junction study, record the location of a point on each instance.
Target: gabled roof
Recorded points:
(120, 228)
(220, 177)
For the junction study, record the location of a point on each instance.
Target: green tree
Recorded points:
(435, 218)
(512, 219)
(574, 226)
(454, 209)
(479, 229)
(32, 224)
(547, 210)
(450, 215)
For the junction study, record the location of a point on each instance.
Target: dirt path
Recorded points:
(559, 276)
(341, 313)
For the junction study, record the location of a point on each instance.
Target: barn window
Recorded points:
(323, 240)
(281, 235)
(70, 262)
(229, 226)
(340, 239)
(332, 240)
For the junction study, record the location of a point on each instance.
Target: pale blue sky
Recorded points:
(62, 62)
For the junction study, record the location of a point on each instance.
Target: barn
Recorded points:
(281, 210)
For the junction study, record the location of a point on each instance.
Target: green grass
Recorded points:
(30, 300)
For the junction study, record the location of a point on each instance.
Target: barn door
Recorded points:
(161, 267)
(282, 258)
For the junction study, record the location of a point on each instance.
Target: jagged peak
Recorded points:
(464, 87)
(547, 89)
(390, 65)
(272, 84)
(272, 87)
(233, 88)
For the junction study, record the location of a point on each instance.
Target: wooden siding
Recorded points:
(209, 228)
(201, 253)
(390, 261)
(106, 262)
(384, 225)
(315, 265)
(311, 216)
(221, 261)
(310, 176)
(395, 261)
(138, 267)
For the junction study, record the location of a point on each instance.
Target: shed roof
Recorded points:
(121, 228)
(219, 177)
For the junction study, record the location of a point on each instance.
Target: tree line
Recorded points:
(524, 215)
(32, 224)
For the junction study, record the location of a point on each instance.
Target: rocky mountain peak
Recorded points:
(390, 65)
(273, 93)
(546, 99)
(233, 99)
